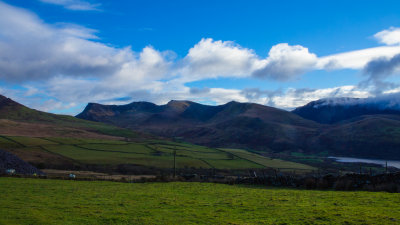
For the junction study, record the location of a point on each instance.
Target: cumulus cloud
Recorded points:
(355, 59)
(385, 101)
(360, 59)
(285, 62)
(213, 95)
(50, 50)
(211, 59)
(390, 36)
(377, 72)
(264, 97)
(382, 67)
(78, 5)
(293, 98)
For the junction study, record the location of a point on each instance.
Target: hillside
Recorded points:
(19, 120)
(63, 142)
(232, 125)
(369, 136)
(368, 128)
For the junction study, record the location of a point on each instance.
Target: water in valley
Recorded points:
(390, 163)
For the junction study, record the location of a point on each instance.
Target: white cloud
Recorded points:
(222, 95)
(390, 36)
(390, 100)
(382, 67)
(211, 59)
(285, 62)
(77, 31)
(358, 59)
(78, 5)
(150, 64)
(51, 50)
(293, 98)
(355, 59)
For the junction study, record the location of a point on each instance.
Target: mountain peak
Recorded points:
(179, 104)
(4, 98)
(179, 101)
(232, 103)
(4, 101)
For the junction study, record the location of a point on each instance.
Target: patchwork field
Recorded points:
(152, 153)
(274, 163)
(37, 201)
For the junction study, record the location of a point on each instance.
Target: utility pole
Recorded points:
(174, 163)
(386, 167)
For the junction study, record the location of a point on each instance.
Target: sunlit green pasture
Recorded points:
(38, 201)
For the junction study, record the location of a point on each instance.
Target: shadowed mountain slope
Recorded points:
(369, 136)
(257, 127)
(239, 125)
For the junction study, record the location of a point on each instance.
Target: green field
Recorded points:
(37, 201)
(268, 162)
(151, 153)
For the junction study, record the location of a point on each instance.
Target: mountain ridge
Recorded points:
(209, 125)
(257, 127)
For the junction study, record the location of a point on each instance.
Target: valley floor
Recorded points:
(40, 201)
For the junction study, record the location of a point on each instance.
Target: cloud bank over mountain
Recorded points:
(386, 101)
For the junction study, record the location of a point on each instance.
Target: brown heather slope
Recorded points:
(19, 120)
(233, 125)
(19, 128)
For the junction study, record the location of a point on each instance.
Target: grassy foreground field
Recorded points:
(36, 201)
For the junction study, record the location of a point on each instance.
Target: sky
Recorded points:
(58, 55)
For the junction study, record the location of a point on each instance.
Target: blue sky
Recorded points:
(57, 55)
